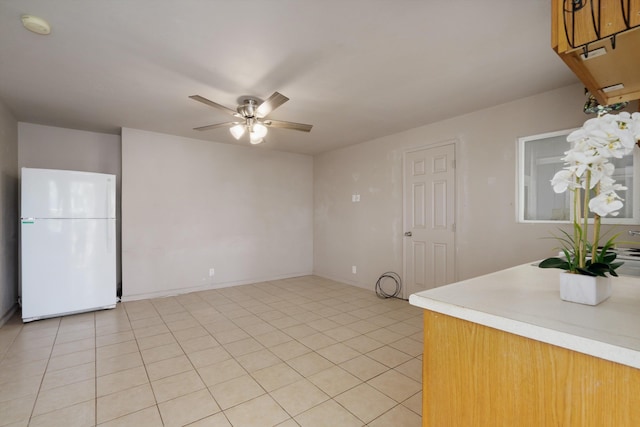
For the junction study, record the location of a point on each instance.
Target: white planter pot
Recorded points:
(584, 289)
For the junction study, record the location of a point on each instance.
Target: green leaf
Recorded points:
(608, 257)
(585, 272)
(599, 269)
(615, 265)
(554, 263)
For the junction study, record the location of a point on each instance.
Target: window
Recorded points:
(539, 158)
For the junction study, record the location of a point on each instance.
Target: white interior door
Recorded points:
(429, 218)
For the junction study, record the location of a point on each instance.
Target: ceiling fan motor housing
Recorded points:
(248, 108)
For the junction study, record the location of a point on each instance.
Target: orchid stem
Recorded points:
(577, 235)
(596, 230)
(585, 211)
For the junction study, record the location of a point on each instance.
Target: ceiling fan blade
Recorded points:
(217, 125)
(288, 125)
(273, 102)
(214, 105)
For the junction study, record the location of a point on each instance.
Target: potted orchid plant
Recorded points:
(588, 175)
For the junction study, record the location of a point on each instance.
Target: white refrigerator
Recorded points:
(67, 242)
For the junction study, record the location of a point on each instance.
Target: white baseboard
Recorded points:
(343, 280)
(207, 287)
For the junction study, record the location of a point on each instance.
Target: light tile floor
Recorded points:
(305, 352)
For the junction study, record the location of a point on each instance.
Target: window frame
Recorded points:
(521, 185)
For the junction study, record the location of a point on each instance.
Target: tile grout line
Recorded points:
(191, 362)
(145, 370)
(44, 372)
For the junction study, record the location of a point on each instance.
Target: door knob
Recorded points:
(408, 234)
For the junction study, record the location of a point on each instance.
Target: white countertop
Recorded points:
(525, 300)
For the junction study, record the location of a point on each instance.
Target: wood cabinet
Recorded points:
(474, 375)
(600, 40)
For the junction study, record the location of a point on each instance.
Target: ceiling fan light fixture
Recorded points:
(259, 130)
(237, 131)
(255, 139)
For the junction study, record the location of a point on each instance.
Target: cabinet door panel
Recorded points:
(478, 376)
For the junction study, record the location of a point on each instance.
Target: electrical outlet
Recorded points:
(354, 270)
(355, 198)
(212, 271)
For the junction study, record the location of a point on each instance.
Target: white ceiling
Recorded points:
(355, 69)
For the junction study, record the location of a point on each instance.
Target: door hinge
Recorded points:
(453, 227)
(453, 163)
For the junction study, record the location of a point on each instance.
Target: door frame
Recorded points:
(406, 152)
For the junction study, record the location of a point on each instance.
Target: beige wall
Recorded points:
(255, 214)
(191, 205)
(50, 147)
(8, 213)
(369, 234)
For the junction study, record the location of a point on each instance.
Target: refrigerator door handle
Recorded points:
(111, 213)
(109, 239)
(109, 201)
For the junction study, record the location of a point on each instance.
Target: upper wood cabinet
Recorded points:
(600, 41)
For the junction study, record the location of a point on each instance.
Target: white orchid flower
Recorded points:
(562, 180)
(618, 134)
(577, 135)
(606, 203)
(599, 139)
(600, 172)
(634, 126)
(606, 181)
(579, 161)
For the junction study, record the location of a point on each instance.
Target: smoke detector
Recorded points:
(36, 25)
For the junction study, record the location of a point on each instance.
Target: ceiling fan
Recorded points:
(251, 117)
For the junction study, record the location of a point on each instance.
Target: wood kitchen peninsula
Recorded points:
(504, 350)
